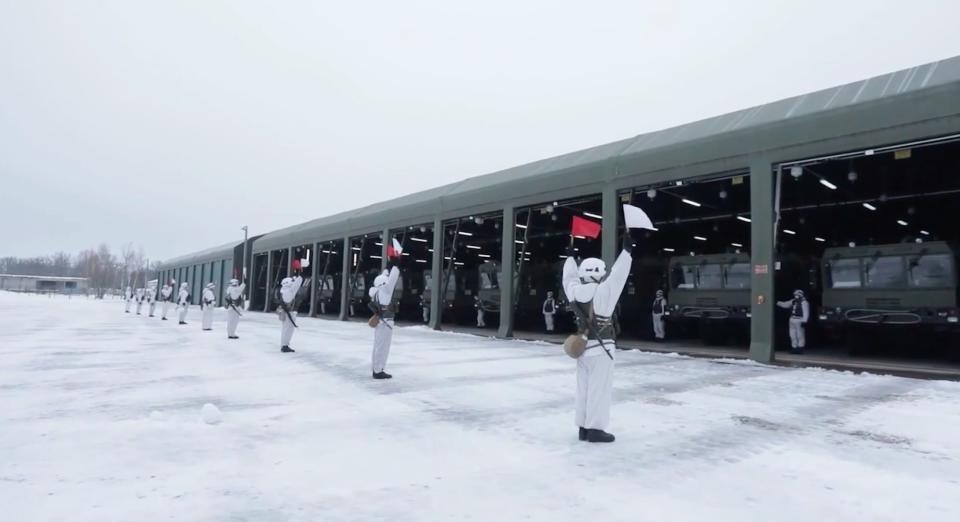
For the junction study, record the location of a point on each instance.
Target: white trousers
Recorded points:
(233, 319)
(426, 314)
(163, 309)
(798, 337)
(548, 320)
(139, 306)
(207, 317)
(382, 337)
(286, 329)
(659, 330)
(182, 313)
(594, 387)
(480, 322)
(153, 306)
(127, 308)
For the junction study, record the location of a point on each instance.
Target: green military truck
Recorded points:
(709, 296)
(489, 279)
(883, 288)
(446, 303)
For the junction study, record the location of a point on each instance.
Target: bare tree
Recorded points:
(100, 266)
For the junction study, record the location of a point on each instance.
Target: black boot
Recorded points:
(183, 322)
(232, 337)
(163, 318)
(599, 436)
(287, 349)
(583, 434)
(382, 375)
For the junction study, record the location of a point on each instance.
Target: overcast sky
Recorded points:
(171, 124)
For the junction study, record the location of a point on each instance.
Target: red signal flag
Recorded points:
(585, 227)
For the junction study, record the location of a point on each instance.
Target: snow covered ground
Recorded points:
(100, 419)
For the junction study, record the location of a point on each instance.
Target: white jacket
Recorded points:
(289, 292)
(235, 292)
(604, 294)
(182, 297)
(384, 294)
(804, 309)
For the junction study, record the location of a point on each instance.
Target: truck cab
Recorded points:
(488, 286)
(709, 294)
(883, 286)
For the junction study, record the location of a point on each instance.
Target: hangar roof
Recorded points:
(870, 102)
(216, 253)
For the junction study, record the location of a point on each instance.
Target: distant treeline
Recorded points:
(103, 268)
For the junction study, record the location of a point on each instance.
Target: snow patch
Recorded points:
(211, 414)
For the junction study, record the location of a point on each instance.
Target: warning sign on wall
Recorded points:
(761, 269)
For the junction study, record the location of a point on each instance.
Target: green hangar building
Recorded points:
(849, 194)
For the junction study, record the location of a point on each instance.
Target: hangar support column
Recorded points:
(386, 241)
(436, 268)
(313, 279)
(611, 217)
(268, 288)
(761, 260)
(508, 267)
(345, 289)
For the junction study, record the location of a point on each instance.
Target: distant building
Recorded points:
(51, 284)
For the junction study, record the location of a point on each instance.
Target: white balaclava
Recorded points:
(798, 294)
(183, 286)
(659, 293)
(234, 282)
(591, 272)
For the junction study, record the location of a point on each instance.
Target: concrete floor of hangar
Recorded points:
(832, 357)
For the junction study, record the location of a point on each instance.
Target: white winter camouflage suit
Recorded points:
(594, 368)
(288, 292)
(383, 333)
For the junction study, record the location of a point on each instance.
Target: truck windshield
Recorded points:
(738, 276)
(711, 276)
(684, 276)
(844, 273)
(931, 271)
(487, 280)
(885, 272)
(326, 283)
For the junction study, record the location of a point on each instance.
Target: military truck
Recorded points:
(489, 279)
(451, 290)
(709, 296)
(883, 288)
(328, 294)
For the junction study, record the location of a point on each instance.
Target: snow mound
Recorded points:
(211, 414)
